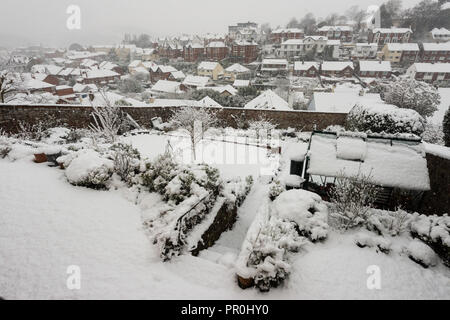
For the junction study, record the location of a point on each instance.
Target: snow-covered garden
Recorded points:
(138, 215)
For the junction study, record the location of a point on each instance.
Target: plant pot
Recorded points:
(40, 157)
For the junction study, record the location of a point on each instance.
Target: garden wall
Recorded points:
(79, 117)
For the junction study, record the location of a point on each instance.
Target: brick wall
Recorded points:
(79, 117)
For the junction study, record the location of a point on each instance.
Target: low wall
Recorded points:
(79, 117)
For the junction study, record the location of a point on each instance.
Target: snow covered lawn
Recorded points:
(46, 225)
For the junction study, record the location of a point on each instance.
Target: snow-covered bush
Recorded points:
(391, 223)
(276, 188)
(446, 128)
(351, 199)
(236, 191)
(88, 168)
(385, 118)
(306, 209)
(159, 173)
(420, 253)
(276, 239)
(126, 161)
(412, 94)
(434, 231)
(382, 244)
(433, 134)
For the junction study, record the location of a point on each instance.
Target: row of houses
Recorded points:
(412, 52)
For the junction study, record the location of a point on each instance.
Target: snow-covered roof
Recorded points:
(388, 163)
(79, 87)
(237, 68)
(392, 30)
(335, 28)
(305, 65)
(432, 67)
(402, 46)
(178, 75)
(167, 86)
(135, 63)
(333, 42)
(107, 65)
(340, 102)
(436, 46)
(241, 83)
(221, 89)
(208, 65)
(336, 65)
(288, 30)
(383, 66)
(140, 70)
(195, 81)
(166, 69)
(112, 97)
(209, 102)
(292, 42)
(363, 44)
(62, 87)
(440, 32)
(216, 44)
(268, 100)
(34, 84)
(175, 103)
(100, 73)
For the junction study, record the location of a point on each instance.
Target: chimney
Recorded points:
(91, 96)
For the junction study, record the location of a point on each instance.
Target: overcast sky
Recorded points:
(25, 22)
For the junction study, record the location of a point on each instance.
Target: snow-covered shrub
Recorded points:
(412, 94)
(385, 118)
(75, 135)
(88, 168)
(126, 161)
(5, 145)
(420, 253)
(433, 134)
(159, 173)
(276, 188)
(446, 128)
(392, 223)
(382, 244)
(269, 254)
(434, 231)
(236, 191)
(306, 209)
(351, 199)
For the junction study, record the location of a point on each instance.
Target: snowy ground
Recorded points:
(46, 225)
(438, 116)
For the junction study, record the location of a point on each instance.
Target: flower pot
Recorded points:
(40, 157)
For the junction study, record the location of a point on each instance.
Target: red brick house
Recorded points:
(340, 69)
(435, 52)
(306, 69)
(216, 51)
(99, 77)
(430, 72)
(343, 33)
(281, 35)
(374, 69)
(244, 51)
(161, 73)
(382, 36)
(193, 52)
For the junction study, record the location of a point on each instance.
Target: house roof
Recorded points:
(166, 86)
(208, 65)
(100, 73)
(237, 68)
(216, 44)
(275, 61)
(432, 67)
(383, 66)
(436, 46)
(336, 65)
(335, 28)
(288, 30)
(305, 65)
(241, 83)
(402, 46)
(340, 102)
(195, 81)
(388, 163)
(209, 102)
(392, 30)
(268, 100)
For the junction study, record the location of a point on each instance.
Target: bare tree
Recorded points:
(8, 83)
(107, 119)
(195, 121)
